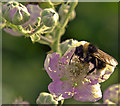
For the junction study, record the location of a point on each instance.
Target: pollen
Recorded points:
(76, 71)
(70, 93)
(49, 68)
(77, 68)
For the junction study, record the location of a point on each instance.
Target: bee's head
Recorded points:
(79, 51)
(92, 48)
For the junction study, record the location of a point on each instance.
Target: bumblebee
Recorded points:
(88, 52)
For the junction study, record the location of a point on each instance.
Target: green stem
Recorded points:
(29, 33)
(56, 45)
(2, 25)
(11, 25)
(72, 6)
(48, 42)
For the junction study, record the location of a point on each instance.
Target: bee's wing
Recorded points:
(105, 58)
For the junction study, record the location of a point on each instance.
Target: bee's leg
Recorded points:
(71, 59)
(81, 59)
(86, 59)
(91, 71)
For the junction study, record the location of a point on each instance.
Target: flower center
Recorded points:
(77, 70)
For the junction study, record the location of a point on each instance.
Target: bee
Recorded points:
(88, 52)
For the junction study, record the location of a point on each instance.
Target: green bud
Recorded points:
(49, 17)
(46, 98)
(67, 44)
(15, 13)
(46, 4)
(17, 18)
(72, 15)
(64, 9)
(57, 3)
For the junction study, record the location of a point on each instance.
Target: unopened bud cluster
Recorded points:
(15, 13)
(64, 9)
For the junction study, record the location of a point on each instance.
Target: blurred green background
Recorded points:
(22, 61)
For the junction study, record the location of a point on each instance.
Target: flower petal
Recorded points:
(52, 66)
(112, 94)
(67, 56)
(108, 71)
(34, 11)
(55, 66)
(65, 45)
(99, 76)
(13, 32)
(60, 88)
(88, 92)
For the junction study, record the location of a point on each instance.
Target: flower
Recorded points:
(112, 94)
(15, 12)
(34, 11)
(49, 17)
(70, 76)
(46, 98)
(19, 101)
(64, 9)
(45, 19)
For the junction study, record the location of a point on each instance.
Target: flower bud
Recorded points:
(57, 2)
(45, 4)
(67, 44)
(15, 13)
(64, 10)
(46, 98)
(19, 102)
(34, 21)
(49, 17)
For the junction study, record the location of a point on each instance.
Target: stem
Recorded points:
(2, 23)
(72, 6)
(11, 25)
(29, 33)
(56, 45)
(49, 42)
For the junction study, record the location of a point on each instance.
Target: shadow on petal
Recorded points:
(88, 92)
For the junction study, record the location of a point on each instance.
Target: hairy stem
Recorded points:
(56, 45)
(29, 33)
(49, 42)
